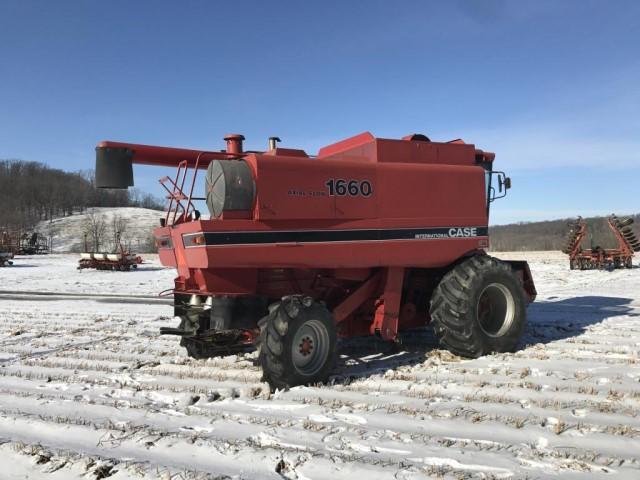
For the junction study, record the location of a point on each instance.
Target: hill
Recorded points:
(100, 224)
(32, 191)
(550, 235)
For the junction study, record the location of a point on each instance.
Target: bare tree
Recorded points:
(118, 230)
(95, 227)
(51, 230)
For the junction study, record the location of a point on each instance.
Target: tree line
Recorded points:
(32, 191)
(551, 235)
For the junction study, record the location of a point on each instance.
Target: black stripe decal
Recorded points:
(317, 236)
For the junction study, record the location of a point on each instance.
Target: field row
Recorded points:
(103, 385)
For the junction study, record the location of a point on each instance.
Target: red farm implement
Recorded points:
(370, 237)
(5, 259)
(7, 248)
(598, 257)
(32, 243)
(120, 260)
(18, 242)
(109, 261)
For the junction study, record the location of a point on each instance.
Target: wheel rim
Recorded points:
(310, 347)
(496, 310)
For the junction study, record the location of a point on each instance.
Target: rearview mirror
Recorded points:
(502, 182)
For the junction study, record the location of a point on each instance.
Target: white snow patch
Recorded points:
(450, 462)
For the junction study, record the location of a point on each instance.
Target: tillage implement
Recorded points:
(597, 257)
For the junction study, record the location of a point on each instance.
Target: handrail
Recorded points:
(176, 191)
(193, 182)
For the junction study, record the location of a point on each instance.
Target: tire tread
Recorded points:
(451, 308)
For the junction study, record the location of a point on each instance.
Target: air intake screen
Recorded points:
(229, 185)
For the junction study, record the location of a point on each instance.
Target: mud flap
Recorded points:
(523, 271)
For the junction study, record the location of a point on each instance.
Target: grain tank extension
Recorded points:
(370, 237)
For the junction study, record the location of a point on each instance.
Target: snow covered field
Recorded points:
(59, 273)
(89, 390)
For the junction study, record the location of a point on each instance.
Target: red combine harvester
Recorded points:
(597, 257)
(370, 237)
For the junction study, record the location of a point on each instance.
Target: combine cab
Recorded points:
(597, 257)
(370, 237)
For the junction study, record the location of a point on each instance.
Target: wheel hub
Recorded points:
(310, 347)
(496, 310)
(306, 346)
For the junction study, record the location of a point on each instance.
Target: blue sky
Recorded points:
(553, 87)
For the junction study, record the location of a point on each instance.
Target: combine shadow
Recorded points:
(548, 321)
(558, 320)
(361, 357)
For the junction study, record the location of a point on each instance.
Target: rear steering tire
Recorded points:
(479, 307)
(297, 343)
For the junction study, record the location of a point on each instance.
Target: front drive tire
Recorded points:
(479, 307)
(297, 343)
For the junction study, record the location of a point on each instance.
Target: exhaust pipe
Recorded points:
(273, 142)
(234, 143)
